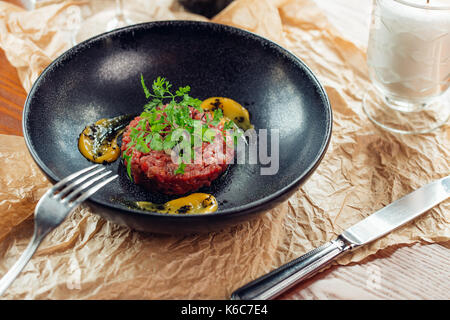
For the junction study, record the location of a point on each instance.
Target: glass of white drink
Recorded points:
(409, 65)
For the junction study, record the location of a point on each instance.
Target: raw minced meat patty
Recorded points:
(155, 170)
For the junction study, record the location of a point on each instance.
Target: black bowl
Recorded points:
(101, 78)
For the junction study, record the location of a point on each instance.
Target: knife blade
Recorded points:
(398, 213)
(371, 228)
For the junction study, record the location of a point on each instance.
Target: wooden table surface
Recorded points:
(418, 271)
(12, 96)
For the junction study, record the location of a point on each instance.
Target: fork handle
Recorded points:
(12, 274)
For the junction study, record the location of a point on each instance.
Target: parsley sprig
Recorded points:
(161, 93)
(157, 127)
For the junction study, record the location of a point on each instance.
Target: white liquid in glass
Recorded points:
(409, 50)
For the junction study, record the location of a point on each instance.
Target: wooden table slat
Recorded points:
(12, 98)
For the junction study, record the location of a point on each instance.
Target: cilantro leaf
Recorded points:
(208, 134)
(157, 142)
(127, 158)
(168, 142)
(146, 91)
(182, 91)
(180, 169)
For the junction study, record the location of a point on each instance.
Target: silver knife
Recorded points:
(371, 228)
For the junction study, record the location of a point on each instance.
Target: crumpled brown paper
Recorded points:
(363, 170)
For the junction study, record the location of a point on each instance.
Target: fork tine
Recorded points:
(72, 176)
(77, 182)
(92, 190)
(84, 186)
(50, 212)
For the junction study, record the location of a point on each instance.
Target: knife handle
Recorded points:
(279, 280)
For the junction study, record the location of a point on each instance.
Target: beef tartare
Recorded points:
(156, 170)
(176, 147)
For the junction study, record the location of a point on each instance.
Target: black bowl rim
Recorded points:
(240, 210)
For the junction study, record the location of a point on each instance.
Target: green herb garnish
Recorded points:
(180, 169)
(162, 94)
(158, 126)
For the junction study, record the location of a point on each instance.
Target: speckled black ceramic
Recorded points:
(101, 78)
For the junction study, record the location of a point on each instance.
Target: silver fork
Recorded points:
(54, 206)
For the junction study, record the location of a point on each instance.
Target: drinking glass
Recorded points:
(110, 17)
(409, 65)
(29, 4)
